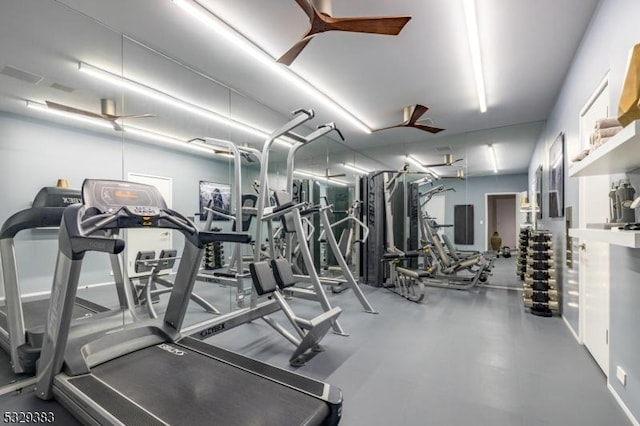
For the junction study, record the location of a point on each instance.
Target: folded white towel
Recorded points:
(581, 156)
(605, 123)
(608, 132)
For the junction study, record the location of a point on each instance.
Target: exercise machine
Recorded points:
(22, 321)
(292, 225)
(135, 373)
(147, 292)
(269, 279)
(260, 307)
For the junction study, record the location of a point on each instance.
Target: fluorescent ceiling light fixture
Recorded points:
(434, 173)
(76, 117)
(319, 177)
(423, 180)
(413, 160)
(172, 100)
(492, 154)
(128, 130)
(474, 46)
(230, 34)
(356, 169)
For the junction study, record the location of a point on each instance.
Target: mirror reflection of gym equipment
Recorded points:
(211, 216)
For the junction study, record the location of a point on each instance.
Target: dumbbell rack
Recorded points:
(213, 254)
(540, 293)
(521, 260)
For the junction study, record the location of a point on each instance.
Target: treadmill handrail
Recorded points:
(34, 217)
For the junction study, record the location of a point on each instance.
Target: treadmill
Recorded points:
(22, 322)
(146, 372)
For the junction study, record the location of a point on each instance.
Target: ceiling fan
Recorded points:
(320, 19)
(107, 112)
(411, 116)
(447, 161)
(328, 175)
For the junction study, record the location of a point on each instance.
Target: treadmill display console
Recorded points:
(109, 196)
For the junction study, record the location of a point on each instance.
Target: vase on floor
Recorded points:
(496, 241)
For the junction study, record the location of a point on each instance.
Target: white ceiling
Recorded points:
(527, 47)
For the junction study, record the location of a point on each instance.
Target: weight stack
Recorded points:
(540, 292)
(521, 260)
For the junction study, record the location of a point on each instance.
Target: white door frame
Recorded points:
(486, 214)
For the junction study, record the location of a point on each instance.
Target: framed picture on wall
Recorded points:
(556, 177)
(538, 193)
(216, 196)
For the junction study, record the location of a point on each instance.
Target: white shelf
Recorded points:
(617, 237)
(620, 154)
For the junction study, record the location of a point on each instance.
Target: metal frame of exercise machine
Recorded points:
(257, 309)
(133, 374)
(21, 338)
(348, 280)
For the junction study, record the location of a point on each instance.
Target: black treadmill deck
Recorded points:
(183, 386)
(35, 312)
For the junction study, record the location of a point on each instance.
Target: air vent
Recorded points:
(62, 87)
(21, 75)
(443, 149)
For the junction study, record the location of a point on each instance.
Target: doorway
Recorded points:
(501, 218)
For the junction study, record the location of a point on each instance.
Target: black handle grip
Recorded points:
(228, 237)
(103, 244)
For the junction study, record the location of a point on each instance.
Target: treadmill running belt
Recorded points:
(183, 387)
(35, 312)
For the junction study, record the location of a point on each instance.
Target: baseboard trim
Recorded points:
(575, 335)
(624, 407)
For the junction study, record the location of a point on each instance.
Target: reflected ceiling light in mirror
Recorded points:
(129, 130)
(433, 172)
(356, 169)
(172, 100)
(208, 18)
(413, 160)
(474, 46)
(319, 177)
(492, 155)
(75, 117)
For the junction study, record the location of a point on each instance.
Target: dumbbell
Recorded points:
(541, 306)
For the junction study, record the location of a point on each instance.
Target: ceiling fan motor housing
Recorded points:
(108, 106)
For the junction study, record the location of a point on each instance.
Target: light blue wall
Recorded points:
(36, 153)
(473, 191)
(612, 32)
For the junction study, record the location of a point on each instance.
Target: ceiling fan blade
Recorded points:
(426, 128)
(418, 111)
(291, 54)
(112, 119)
(72, 110)
(386, 25)
(133, 116)
(389, 127)
(307, 7)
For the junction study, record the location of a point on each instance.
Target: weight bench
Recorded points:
(267, 280)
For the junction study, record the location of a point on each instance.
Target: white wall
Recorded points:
(612, 32)
(35, 153)
(473, 191)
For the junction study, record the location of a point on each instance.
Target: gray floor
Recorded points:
(458, 358)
